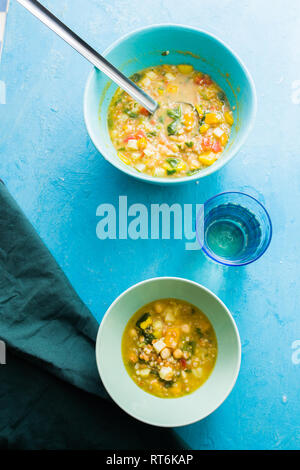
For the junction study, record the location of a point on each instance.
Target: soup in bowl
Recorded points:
(168, 351)
(170, 53)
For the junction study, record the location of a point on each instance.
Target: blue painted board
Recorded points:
(53, 170)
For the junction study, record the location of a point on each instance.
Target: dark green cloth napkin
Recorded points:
(51, 396)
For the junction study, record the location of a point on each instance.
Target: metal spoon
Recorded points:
(46, 17)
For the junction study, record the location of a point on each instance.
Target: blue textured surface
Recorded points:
(51, 167)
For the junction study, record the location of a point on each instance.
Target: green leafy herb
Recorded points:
(130, 113)
(151, 134)
(167, 383)
(189, 346)
(221, 96)
(204, 95)
(149, 337)
(173, 162)
(110, 123)
(171, 172)
(173, 127)
(161, 119)
(117, 101)
(192, 172)
(199, 332)
(174, 113)
(121, 149)
(136, 77)
(189, 144)
(143, 318)
(202, 119)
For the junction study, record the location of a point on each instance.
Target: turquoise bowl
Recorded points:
(140, 404)
(143, 48)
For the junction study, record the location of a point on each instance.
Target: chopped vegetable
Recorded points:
(222, 97)
(212, 118)
(143, 318)
(184, 68)
(130, 113)
(228, 118)
(136, 77)
(173, 127)
(173, 162)
(174, 113)
(189, 144)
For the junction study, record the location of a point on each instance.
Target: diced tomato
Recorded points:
(216, 148)
(183, 363)
(207, 80)
(144, 111)
(202, 80)
(137, 136)
(140, 135)
(206, 143)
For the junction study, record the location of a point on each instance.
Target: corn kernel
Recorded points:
(172, 88)
(199, 110)
(188, 119)
(181, 165)
(142, 143)
(146, 323)
(228, 118)
(124, 158)
(204, 128)
(212, 118)
(185, 68)
(160, 91)
(224, 139)
(206, 160)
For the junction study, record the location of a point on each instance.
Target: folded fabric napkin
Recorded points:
(51, 396)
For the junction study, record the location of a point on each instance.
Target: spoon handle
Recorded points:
(46, 17)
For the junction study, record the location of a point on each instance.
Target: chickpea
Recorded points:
(185, 328)
(177, 354)
(165, 353)
(133, 333)
(133, 357)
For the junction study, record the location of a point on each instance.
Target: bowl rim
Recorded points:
(220, 162)
(235, 329)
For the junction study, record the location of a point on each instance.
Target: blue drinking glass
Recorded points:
(233, 228)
